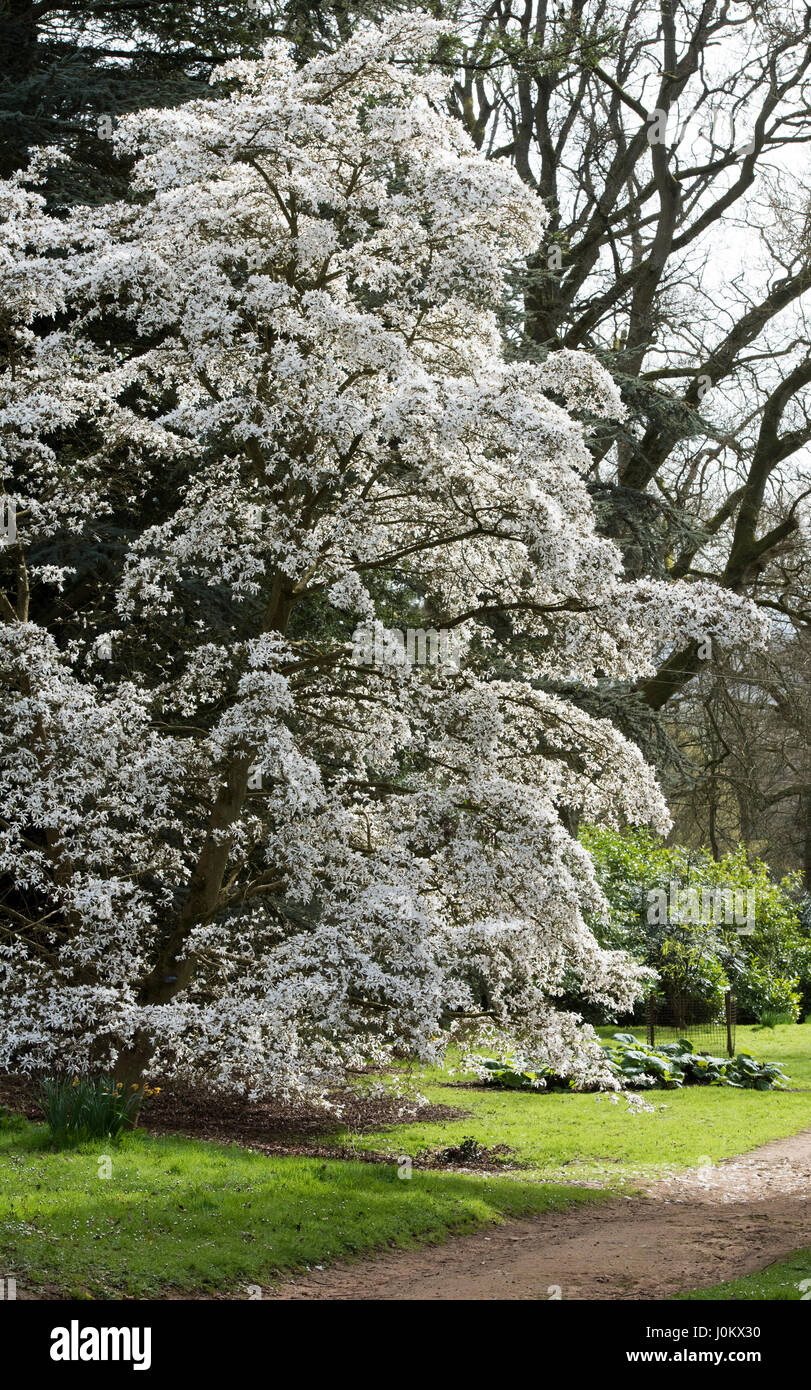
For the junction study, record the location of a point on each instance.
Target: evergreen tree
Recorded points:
(70, 68)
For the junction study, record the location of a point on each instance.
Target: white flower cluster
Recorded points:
(320, 862)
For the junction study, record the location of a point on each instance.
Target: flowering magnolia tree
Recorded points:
(233, 838)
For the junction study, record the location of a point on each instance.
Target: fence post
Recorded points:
(651, 1022)
(728, 1013)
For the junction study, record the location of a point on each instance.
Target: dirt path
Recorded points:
(704, 1226)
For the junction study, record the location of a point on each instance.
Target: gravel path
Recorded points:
(711, 1223)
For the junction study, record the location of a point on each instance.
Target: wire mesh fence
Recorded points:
(707, 1027)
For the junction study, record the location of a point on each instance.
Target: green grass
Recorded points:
(566, 1137)
(177, 1213)
(778, 1283)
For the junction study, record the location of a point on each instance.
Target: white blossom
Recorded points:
(269, 861)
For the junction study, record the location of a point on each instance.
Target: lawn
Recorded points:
(183, 1214)
(586, 1139)
(781, 1282)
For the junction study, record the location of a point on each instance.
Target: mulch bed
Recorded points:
(17, 1093)
(270, 1126)
(469, 1157)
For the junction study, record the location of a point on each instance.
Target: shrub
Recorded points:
(689, 965)
(669, 1066)
(673, 1065)
(506, 1074)
(89, 1108)
(766, 994)
(768, 964)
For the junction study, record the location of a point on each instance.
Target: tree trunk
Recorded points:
(174, 970)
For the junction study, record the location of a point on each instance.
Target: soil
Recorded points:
(271, 1126)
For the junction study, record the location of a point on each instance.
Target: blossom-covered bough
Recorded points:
(227, 844)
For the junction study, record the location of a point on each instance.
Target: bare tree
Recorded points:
(670, 143)
(653, 132)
